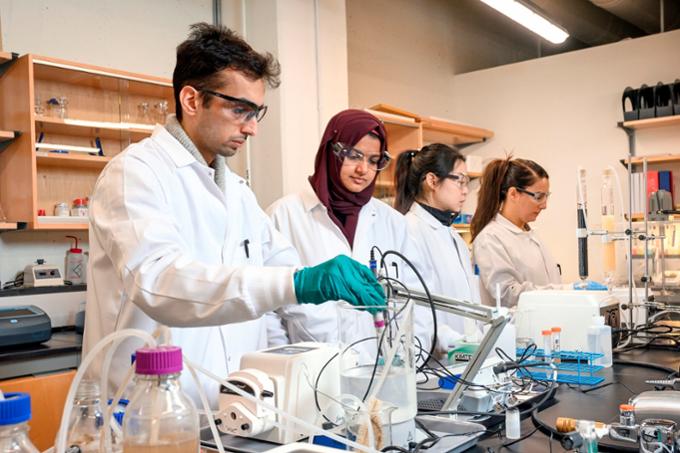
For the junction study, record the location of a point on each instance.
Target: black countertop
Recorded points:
(600, 404)
(61, 352)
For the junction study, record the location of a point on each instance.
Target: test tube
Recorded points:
(556, 345)
(547, 345)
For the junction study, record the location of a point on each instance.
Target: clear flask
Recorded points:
(15, 412)
(160, 417)
(87, 419)
(374, 391)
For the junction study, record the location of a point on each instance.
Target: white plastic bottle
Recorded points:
(75, 266)
(15, 412)
(600, 341)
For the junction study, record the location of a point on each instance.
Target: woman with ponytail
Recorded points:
(506, 249)
(432, 185)
(335, 214)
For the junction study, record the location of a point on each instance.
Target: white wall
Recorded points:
(562, 111)
(309, 39)
(405, 52)
(121, 34)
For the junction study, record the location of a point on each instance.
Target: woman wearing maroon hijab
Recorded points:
(336, 214)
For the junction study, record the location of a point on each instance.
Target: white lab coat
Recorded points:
(448, 256)
(304, 220)
(167, 247)
(515, 259)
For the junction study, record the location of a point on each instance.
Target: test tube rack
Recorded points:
(573, 367)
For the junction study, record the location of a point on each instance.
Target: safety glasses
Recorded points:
(352, 156)
(539, 197)
(242, 110)
(459, 178)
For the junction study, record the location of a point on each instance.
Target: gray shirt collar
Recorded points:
(177, 131)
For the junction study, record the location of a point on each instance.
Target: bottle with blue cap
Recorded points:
(15, 412)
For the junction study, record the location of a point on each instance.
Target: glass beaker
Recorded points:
(377, 366)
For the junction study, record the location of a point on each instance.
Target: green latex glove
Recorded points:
(340, 278)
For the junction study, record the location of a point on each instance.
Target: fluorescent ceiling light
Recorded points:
(529, 19)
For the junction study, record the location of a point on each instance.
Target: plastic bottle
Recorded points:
(547, 345)
(600, 341)
(557, 343)
(75, 265)
(160, 417)
(15, 412)
(87, 418)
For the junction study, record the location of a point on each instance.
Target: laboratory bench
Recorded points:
(598, 403)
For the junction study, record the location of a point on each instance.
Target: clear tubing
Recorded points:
(82, 369)
(311, 428)
(105, 439)
(206, 406)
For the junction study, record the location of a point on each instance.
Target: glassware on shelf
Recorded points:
(161, 111)
(39, 109)
(144, 112)
(58, 106)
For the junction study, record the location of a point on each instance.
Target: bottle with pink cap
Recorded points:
(159, 417)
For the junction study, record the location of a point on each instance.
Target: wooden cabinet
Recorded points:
(409, 131)
(71, 119)
(48, 395)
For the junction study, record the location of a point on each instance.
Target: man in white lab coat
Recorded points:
(177, 239)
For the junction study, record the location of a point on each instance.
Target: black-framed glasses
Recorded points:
(243, 110)
(459, 178)
(352, 156)
(539, 197)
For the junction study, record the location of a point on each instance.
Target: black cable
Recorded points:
(515, 441)
(429, 297)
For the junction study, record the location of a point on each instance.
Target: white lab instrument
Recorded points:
(569, 310)
(285, 377)
(41, 274)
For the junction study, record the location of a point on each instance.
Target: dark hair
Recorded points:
(413, 166)
(211, 49)
(498, 177)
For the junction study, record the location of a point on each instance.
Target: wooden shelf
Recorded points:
(6, 136)
(8, 226)
(461, 226)
(57, 223)
(439, 130)
(653, 122)
(653, 159)
(5, 57)
(85, 75)
(71, 160)
(87, 128)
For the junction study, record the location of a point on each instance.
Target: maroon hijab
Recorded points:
(347, 127)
